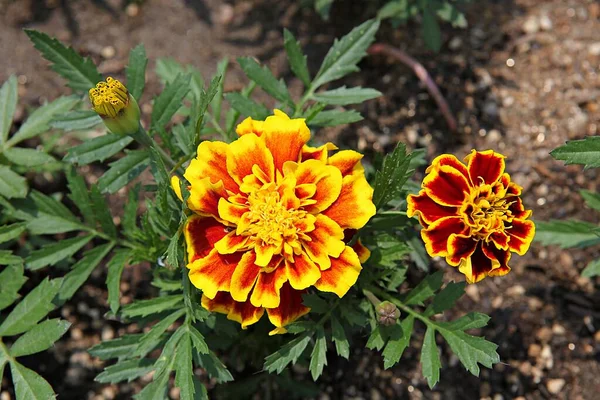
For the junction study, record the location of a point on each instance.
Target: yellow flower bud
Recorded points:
(117, 108)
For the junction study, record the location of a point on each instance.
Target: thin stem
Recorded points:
(143, 138)
(309, 92)
(372, 298)
(181, 161)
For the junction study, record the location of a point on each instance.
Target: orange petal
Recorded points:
(449, 160)
(427, 209)
(476, 267)
(302, 272)
(244, 277)
(213, 273)
(446, 186)
(521, 234)
(437, 234)
(517, 208)
(267, 287)
(326, 241)
(231, 243)
(279, 129)
(264, 253)
(499, 259)
(204, 197)
(486, 166)
(289, 310)
(347, 161)
(460, 247)
(362, 252)
(354, 206)
(201, 234)
(211, 162)
(243, 313)
(500, 240)
(246, 152)
(231, 212)
(250, 126)
(328, 181)
(342, 275)
(317, 153)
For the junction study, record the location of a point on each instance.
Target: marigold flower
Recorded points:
(472, 214)
(117, 108)
(272, 219)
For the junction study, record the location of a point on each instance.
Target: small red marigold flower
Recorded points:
(271, 220)
(472, 214)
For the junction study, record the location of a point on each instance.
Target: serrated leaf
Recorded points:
(430, 358)
(142, 308)
(39, 120)
(266, 80)
(167, 70)
(51, 206)
(335, 118)
(29, 385)
(425, 289)
(215, 368)
(376, 340)
(205, 99)
(97, 149)
(27, 157)
(591, 270)
(448, 12)
(40, 337)
(45, 224)
(566, 234)
(169, 101)
(35, 306)
(12, 231)
(585, 151)
(471, 350)
(184, 373)
(136, 71)
(431, 31)
(343, 96)
(8, 105)
(323, 7)
(79, 194)
(123, 171)
(52, 253)
(472, 320)
(8, 258)
(217, 101)
(392, 176)
(592, 199)
(113, 279)
(318, 357)
(288, 353)
(78, 120)
(338, 335)
(152, 337)
(343, 56)
(12, 279)
(102, 212)
(246, 106)
(398, 343)
(125, 370)
(393, 9)
(156, 390)
(197, 339)
(120, 348)
(12, 185)
(446, 298)
(81, 271)
(80, 73)
(296, 57)
(315, 303)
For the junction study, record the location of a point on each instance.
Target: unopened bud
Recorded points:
(117, 108)
(387, 313)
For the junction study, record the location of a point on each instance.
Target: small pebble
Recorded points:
(531, 25)
(108, 52)
(555, 385)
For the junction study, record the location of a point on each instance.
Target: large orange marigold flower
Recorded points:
(271, 219)
(472, 214)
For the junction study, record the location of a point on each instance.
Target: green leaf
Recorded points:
(167, 70)
(78, 120)
(288, 353)
(323, 7)
(27, 157)
(425, 289)
(592, 199)
(338, 336)
(12, 279)
(120, 348)
(566, 234)
(152, 338)
(136, 71)
(296, 58)
(376, 340)
(205, 99)
(51, 206)
(8, 105)
(315, 303)
(346, 53)
(430, 358)
(318, 357)
(10, 232)
(246, 106)
(394, 9)
(45, 224)
(39, 120)
(217, 101)
(52, 253)
(398, 343)
(80, 195)
(11, 184)
(157, 389)
(102, 212)
(7, 258)
(142, 308)
(585, 151)
(265, 79)
(123, 171)
(129, 220)
(113, 279)
(31, 309)
(97, 149)
(343, 96)
(81, 271)
(125, 370)
(80, 73)
(471, 350)
(184, 369)
(448, 12)
(472, 320)
(591, 270)
(431, 31)
(197, 339)
(446, 298)
(169, 101)
(335, 118)
(215, 368)
(29, 385)
(40, 337)
(392, 176)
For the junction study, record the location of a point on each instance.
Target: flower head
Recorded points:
(118, 109)
(472, 214)
(272, 219)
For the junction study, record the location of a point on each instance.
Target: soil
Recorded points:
(521, 79)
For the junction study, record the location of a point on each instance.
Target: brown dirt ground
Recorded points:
(522, 79)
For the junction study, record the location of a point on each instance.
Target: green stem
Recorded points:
(374, 300)
(399, 304)
(309, 92)
(179, 163)
(142, 137)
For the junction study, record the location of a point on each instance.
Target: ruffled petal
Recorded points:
(354, 207)
(244, 277)
(201, 234)
(446, 186)
(342, 274)
(476, 267)
(250, 126)
(245, 153)
(231, 243)
(487, 166)
(362, 252)
(320, 153)
(328, 181)
(213, 273)
(521, 234)
(326, 241)
(499, 259)
(289, 310)
(279, 129)
(205, 196)
(451, 161)
(302, 272)
(266, 292)
(211, 162)
(231, 212)
(244, 313)
(176, 186)
(430, 211)
(347, 161)
(437, 234)
(460, 247)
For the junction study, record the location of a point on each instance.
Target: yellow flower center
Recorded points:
(487, 211)
(109, 98)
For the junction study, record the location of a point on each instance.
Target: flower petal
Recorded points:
(446, 186)
(201, 234)
(317, 153)
(499, 257)
(326, 241)
(347, 161)
(279, 129)
(267, 288)
(427, 209)
(487, 166)
(354, 206)
(213, 273)
(176, 185)
(302, 272)
(460, 247)
(244, 277)
(243, 313)
(246, 152)
(250, 126)
(289, 310)
(211, 162)
(231, 212)
(449, 160)
(476, 267)
(521, 234)
(436, 236)
(362, 251)
(231, 243)
(328, 181)
(342, 274)
(205, 196)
